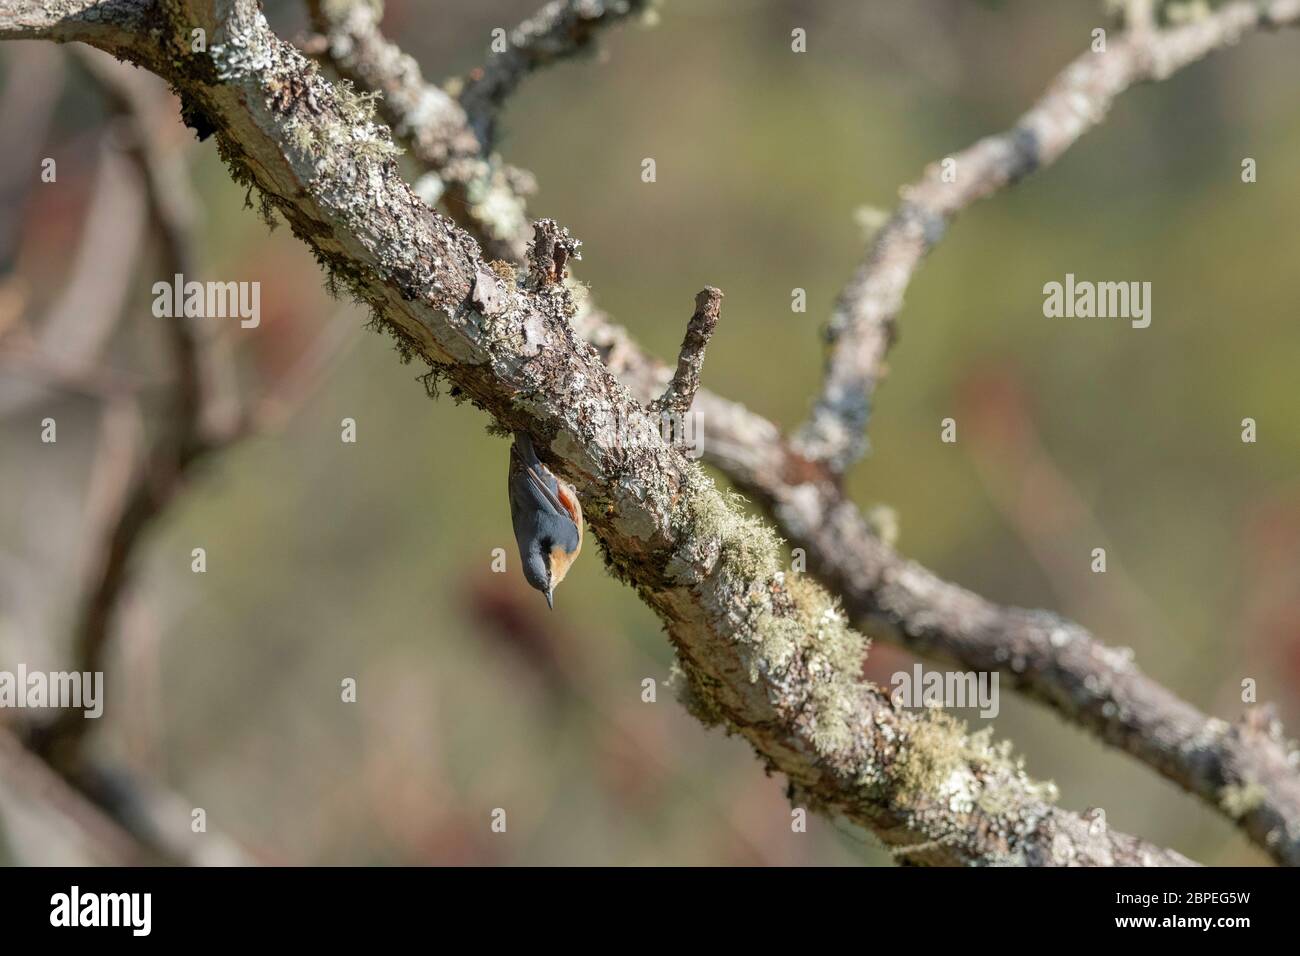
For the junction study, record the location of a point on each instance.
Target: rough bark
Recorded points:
(769, 656)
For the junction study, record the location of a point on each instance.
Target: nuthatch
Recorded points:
(546, 516)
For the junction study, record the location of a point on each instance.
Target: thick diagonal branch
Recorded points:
(802, 497)
(769, 656)
(1248, 771)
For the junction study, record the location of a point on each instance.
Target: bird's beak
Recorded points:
(550, 598)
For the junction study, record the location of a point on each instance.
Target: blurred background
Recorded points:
(372, 560)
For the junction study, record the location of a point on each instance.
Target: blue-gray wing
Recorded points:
(531, 481)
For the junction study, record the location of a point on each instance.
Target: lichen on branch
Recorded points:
(767, 654)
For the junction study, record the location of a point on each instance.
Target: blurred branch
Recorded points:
(1141, 15)
(125, 496)
(475, 189)
(153, 483)
(104, 816)
(92, 381)
(129, 494)
(767, 655)
(70, 338)
(483, 195)
(26, 109)
(560, 29)
(26, 780)
(425, 118)
(862, 326)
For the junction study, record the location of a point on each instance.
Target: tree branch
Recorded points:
(768, 655)
(426, 119)
(95, 837)
(805, 500)
(120, 27)
(680, 393)
(557, 31)
(476, 190)
(862, 325)
(484, 196)
(153, 482)
(129, 493)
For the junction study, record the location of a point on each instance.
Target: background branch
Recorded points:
(862, 326)
(560, 29)
(809, 472)
(1049, 658)
(769, 656)
(882, 589)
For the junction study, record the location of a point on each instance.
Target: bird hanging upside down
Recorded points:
(546, 516)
